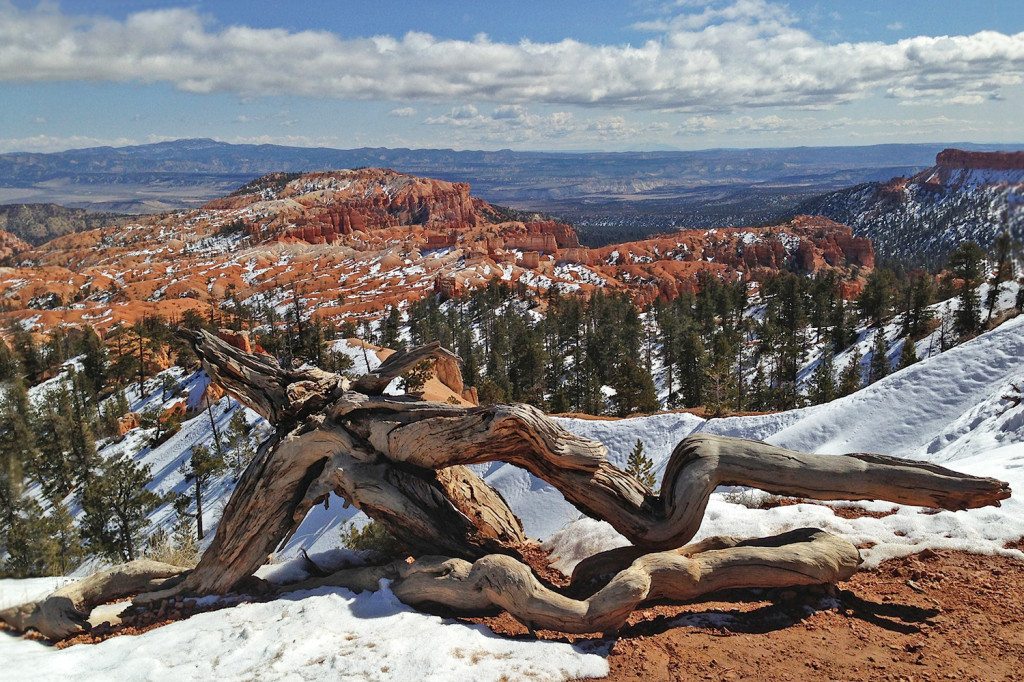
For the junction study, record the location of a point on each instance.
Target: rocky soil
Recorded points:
(932, 616)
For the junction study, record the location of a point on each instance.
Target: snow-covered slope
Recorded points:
(930, 213)
(903, 413)
(317, 635)
(947, 408)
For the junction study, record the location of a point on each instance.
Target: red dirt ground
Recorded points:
(933, 616)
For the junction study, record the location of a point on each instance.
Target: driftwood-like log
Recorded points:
(453, 511)
(66, 611)
(352, 431)
(801, 557)
(403, 462)
(579, 469)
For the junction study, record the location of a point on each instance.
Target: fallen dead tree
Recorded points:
(403, 461)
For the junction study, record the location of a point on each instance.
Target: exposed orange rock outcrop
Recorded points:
(11, 245)
(958, 158)
(349, 243)
(128, 422)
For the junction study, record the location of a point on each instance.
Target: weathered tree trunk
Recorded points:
(402, 461)
(453, 512)
(66, 611)
(578, 468)
(807, 556)
(382, 453)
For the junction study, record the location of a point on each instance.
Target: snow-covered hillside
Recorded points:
(948, 408)
(315, 635)
(929, 213)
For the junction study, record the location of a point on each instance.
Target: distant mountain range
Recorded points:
(636, 192)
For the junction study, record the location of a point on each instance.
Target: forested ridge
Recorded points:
(723, 349)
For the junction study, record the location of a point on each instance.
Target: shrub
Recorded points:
(373, 537)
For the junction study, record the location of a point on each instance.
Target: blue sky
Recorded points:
(529, 75)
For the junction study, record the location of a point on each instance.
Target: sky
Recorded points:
(530, 75)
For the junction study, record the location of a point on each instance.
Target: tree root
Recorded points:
(807, 556)
(66, 612)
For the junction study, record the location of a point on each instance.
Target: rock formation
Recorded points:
(349, 243)
(920, 219)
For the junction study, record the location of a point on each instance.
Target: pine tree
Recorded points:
(692, 363)
(179, 547)
(634, 388)
(908, 355)
(30, 359)
(116, 503)
(841, 334)
(168, 386)
(527, 361)
(759, 391)
(470, 362)
(966, 265)
(184, 536)
(390, 329)
(850, 379)
(238, 442)
(140, 349)
(17, 449)
(823, 381)
(202, 466)
(10, 368)
(879, 366)
(1002, 255)
(31, 550)
(721, 382)
(95, 360)
(111, 412)
(640, 466)
(415, 379)
(60, 528)
(52, 465)
(875, 302)
(668, 326)
(916, 314)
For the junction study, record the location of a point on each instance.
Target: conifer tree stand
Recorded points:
(403, 461)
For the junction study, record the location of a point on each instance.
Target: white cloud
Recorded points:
(515, 123)
(796, 127)
(51, 143)
(894, 26)
(402, 112)
(707, 58)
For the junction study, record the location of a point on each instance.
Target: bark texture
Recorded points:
(402, 461)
